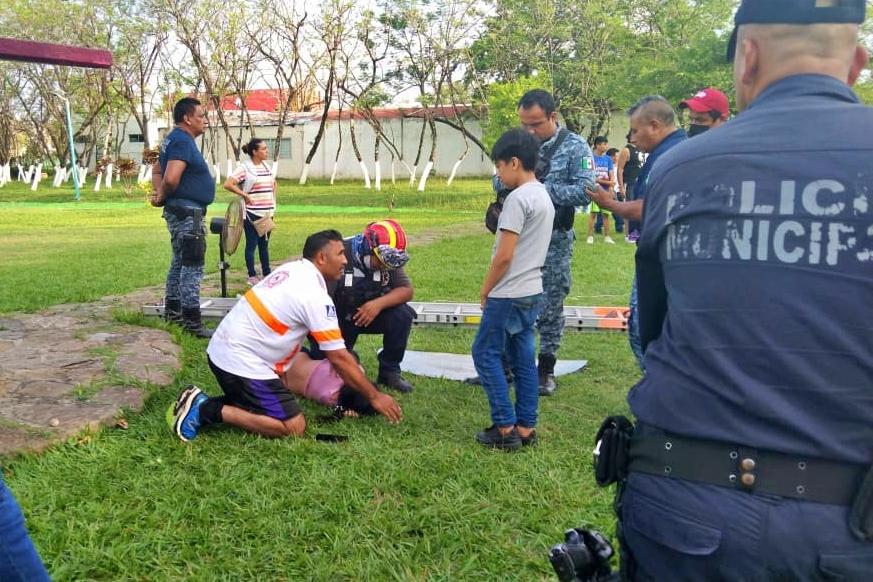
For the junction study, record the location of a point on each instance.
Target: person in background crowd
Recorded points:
(253, 182)
(604, 170)
(654, 131)
(708, 109)
(630, 161)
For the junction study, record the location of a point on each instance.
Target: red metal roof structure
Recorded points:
(256, 100)
(12, 49)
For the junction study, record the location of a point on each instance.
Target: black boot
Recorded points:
(507, 371)
(546, 372)
(192, 323)
(173, 311)
(393, 379)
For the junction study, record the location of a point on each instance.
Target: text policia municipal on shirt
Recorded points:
(819, 223)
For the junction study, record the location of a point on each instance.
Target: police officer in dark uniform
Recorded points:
(755, 265)
(372, 296)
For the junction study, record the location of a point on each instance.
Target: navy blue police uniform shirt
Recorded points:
(641, 186)
(196, 184)
(755, 274)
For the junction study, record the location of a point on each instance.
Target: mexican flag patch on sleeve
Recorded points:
(587, 163)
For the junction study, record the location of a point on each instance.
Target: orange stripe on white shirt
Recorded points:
(272, 321)
(327, 335)
(264, 313)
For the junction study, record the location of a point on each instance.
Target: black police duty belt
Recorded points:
(746, 469)
(183, 212)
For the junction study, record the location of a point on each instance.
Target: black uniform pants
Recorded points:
(393, 324)
(680, 531)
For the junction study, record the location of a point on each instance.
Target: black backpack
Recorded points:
(544, 165)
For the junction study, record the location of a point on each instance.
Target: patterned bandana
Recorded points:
(392, 258)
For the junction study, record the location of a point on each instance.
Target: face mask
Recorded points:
(695, 129)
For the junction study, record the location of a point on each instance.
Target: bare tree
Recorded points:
(220, 52)
(331, 29)
(282, 25)
(137, 42)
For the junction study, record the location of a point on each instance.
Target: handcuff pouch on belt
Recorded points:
(612, 445)
(194, 242)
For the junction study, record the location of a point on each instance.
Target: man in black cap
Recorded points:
(755, 266)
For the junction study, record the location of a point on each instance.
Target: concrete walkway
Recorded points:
(73, 367)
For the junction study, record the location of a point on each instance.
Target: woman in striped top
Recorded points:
(253, 182)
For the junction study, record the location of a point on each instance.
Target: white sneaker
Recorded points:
(608, 240)
(590, 240)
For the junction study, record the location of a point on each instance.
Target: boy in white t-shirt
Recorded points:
(511, 295)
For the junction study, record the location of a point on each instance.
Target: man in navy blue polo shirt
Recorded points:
(755, 266)
(183, 185)
(654, 131)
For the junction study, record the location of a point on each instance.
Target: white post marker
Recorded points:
(378, 176)
(366, 175)
(305, 175)
(99, 180)
(455, 170)
(109, 175)
(393, 175)
(36, 177)
(424, 175)
(333, 174)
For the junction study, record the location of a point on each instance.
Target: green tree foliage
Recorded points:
(503, 104)
(602, 56)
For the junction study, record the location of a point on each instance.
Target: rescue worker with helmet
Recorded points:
(373, 294)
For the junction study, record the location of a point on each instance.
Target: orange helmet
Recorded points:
(388, 241)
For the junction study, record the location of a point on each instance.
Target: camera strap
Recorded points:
(549, 153)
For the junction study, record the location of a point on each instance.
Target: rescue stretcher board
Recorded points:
(460, 367)
(455, 314)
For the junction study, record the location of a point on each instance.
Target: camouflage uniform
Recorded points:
(572, 169)
(183, 281)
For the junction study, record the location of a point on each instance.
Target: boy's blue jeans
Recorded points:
(18, 558)
(507, 326)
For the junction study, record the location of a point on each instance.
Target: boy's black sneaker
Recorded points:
(492, 437)
(530, 440)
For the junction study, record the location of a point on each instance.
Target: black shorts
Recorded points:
(266, 397)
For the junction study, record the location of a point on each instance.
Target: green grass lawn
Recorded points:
(417, 501)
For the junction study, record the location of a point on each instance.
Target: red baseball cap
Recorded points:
(709, 99)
